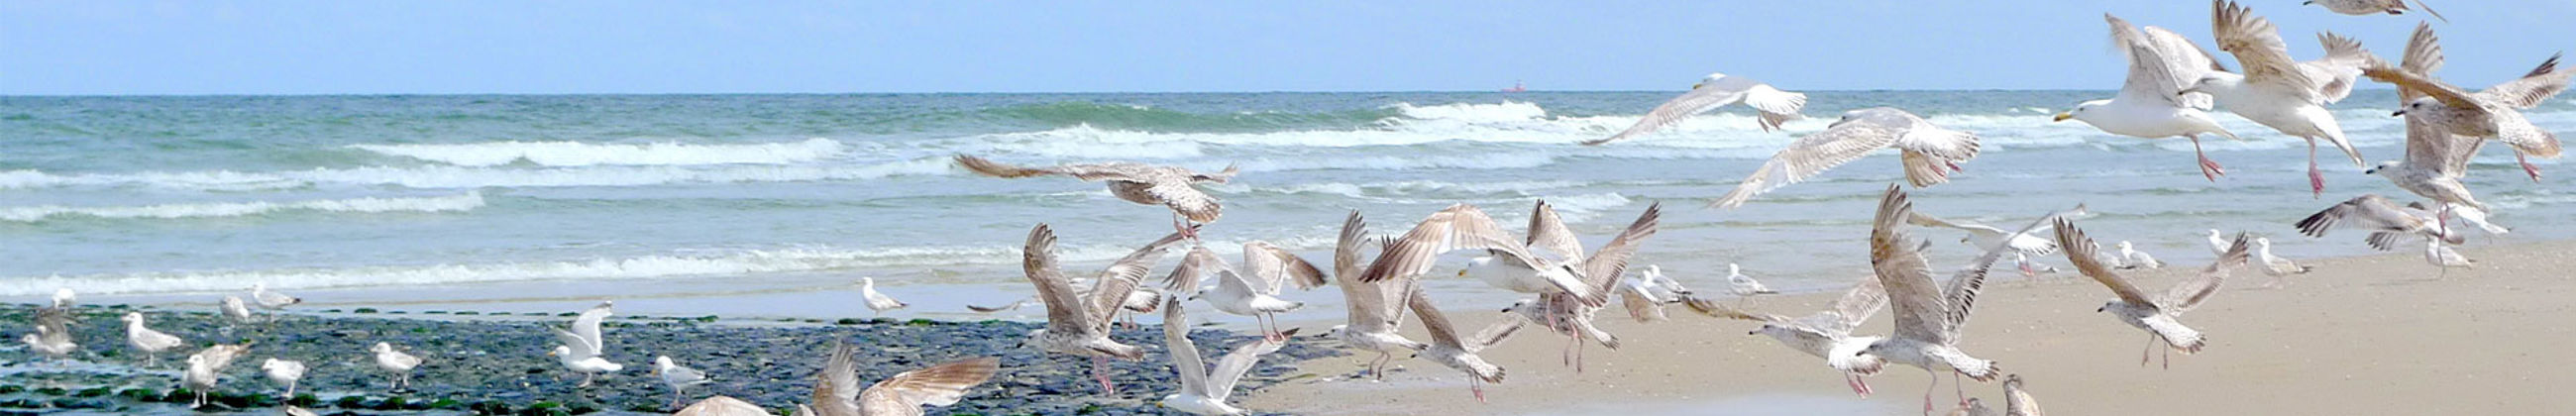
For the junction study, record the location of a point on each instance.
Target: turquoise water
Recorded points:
(551, 198)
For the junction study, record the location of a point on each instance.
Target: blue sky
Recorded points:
(452, 47)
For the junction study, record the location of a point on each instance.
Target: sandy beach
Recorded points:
(2359, 335)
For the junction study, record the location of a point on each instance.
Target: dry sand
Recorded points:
(2359, 335)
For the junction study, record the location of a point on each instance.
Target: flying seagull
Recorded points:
(1717, 90)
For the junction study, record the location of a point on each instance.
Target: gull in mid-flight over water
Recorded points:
(1717, 90)
(2281, 93)
(2152, 104)
(1170, 186)
(1930, 152)
(2371, 7)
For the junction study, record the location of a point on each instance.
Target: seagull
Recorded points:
(206, 367)
(878, 301)
(2152, 104)
(2286, 95)
(396, 361)
(722, 406)
(1078, 323)
(678, 377)
(1718, 90)
(1511, 269)
(1825, 334)
(1169, 186)
(2031, 269)
(236, 310)
(63, 297)
(151, 342)
(1928, 315)
(1446, 348)
(2386, 221)
(283, 372)
(2131, 258)
(2279, 268)
(2217, 245)
(53, 336)
(1744, 286)
(584, 348)
(1405, 259)
(2016, 401)
(2158, 315)
(2371, 7)
(1203, 389)
(292, 410)
(1987, 237)
(1014, 305)
(2493, 113)
(1930, 152)
(1973, 407)
(1376, 309)
(1255, 295)
(1646, 294)
(1599, 274)
(2442, 256)
(837, 392)
(271, 300)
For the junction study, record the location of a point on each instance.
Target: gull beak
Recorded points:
(1697, 85)
(2063, 116)
(1753, 332)
(2399, 113)
(550, 353)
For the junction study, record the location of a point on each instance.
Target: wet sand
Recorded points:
(2359, 335)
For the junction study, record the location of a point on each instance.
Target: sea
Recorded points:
(764, 206)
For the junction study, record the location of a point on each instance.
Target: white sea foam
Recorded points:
(452, 203)
(622, 154)
(463, 177)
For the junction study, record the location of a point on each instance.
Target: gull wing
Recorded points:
(1605, 266)
(1276, 266)
(1185, 354)
(1697, 100)
(2161, 64)
(1067, 313)
(938, 385)
(2198, 288)
(2085, 255)
(836, 389)
(1371, 305)
(1548, 232)
(1920, 310)
(1848, 139)
(2258, 46)
(1463, 227)
(1230, 369)
(586, 326)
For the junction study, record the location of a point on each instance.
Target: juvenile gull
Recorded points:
(1078, 323)
(1375, 309)
(583, 346)
(1169, 186)
(1514, 270)
(722, 406)
(2155, 315)
(1449, 350)
(1987, 237)
(395, 361)
(1825, 334)
(2278, 267)
(283, 372)
(1203, 389)
(2493, 113)
(837, 392)
(1405, 259)
(2016, 401)
(1256, 295)
(2132, 258)
(2371, 7)
(877, 301)
(1717, 90)
(678, 377)
(1929, 154)
(1599, 273)
(1928, 315)
(205, 369)
(151, 342)
(2152, 104)
(53, 335)
(2386, 221)
(2287, 95)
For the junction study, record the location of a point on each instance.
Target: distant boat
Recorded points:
(1516, 87)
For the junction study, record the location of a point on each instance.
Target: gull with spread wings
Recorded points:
(2278, 92)
(837, 393)
(1203, 389)
(1405, 259)
(1376, 309)
(1170, 186)
(1717, 90)
(2158, 316)
(1254, 295)
(583, 348)
(1600, 274)
(1078, 323)
(2492, 113)
(1928, 315)
(1825, 334)
(2152, 104)
(1930, 152)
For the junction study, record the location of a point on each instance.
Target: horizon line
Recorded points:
(543, 94)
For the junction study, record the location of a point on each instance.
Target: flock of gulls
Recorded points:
(2172, 86)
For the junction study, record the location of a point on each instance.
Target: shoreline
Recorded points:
(2368, 334)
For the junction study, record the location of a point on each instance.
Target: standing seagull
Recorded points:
(2156, 316)
(2153, 103)
(1255, 295)
(837, 392)
(2371, 7)
(678, 377)
(2279, 268)
(1930, 152)
(1928, 315)
(2218, 245)
(2016, 401)
(1077, 324)
(1169, 186)
(1203, 389)
(2386, 221)
(878, 301)
(2286, 95)
(271, 300)
(1744, 286)
(2442, 256)
(1717, 90)
(1376, 309)
(2132, 258)
(283, 372)
(2495, 112)
(584, 348)
(1825, 334)
(205, 369)
(396, 361)
(53, 336)
(236, 310)
(151, 342)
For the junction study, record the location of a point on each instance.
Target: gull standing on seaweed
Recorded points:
(1717, 90)
(2287, 95)
(285, 372)
(1077, 322)
(2153, 104)
(2155, 315)
(234, 309)
(584, 349)
(205, 369)
(1203, 389)
(678, 377)
(53, 333)
(396, 361)
(1169, 186)
(151, 342)
(271, 300)
(837, 392)
(1930, 152)
(1825, 334)
(877, 301)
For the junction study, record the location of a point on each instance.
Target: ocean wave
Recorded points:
(453, 203)
(620, 154)
(461, 177)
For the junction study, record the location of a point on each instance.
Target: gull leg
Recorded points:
(1182, 225)
(2527, 167)
(2316, 178)
(1100, 371)
(1377, 368)
(2151, 345)
(1865, 391)
(1958, 387)
(1476, 386)
(585, 380)
(290, 390)
(2208, 168)
(2168, 358)
(1927, 391)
